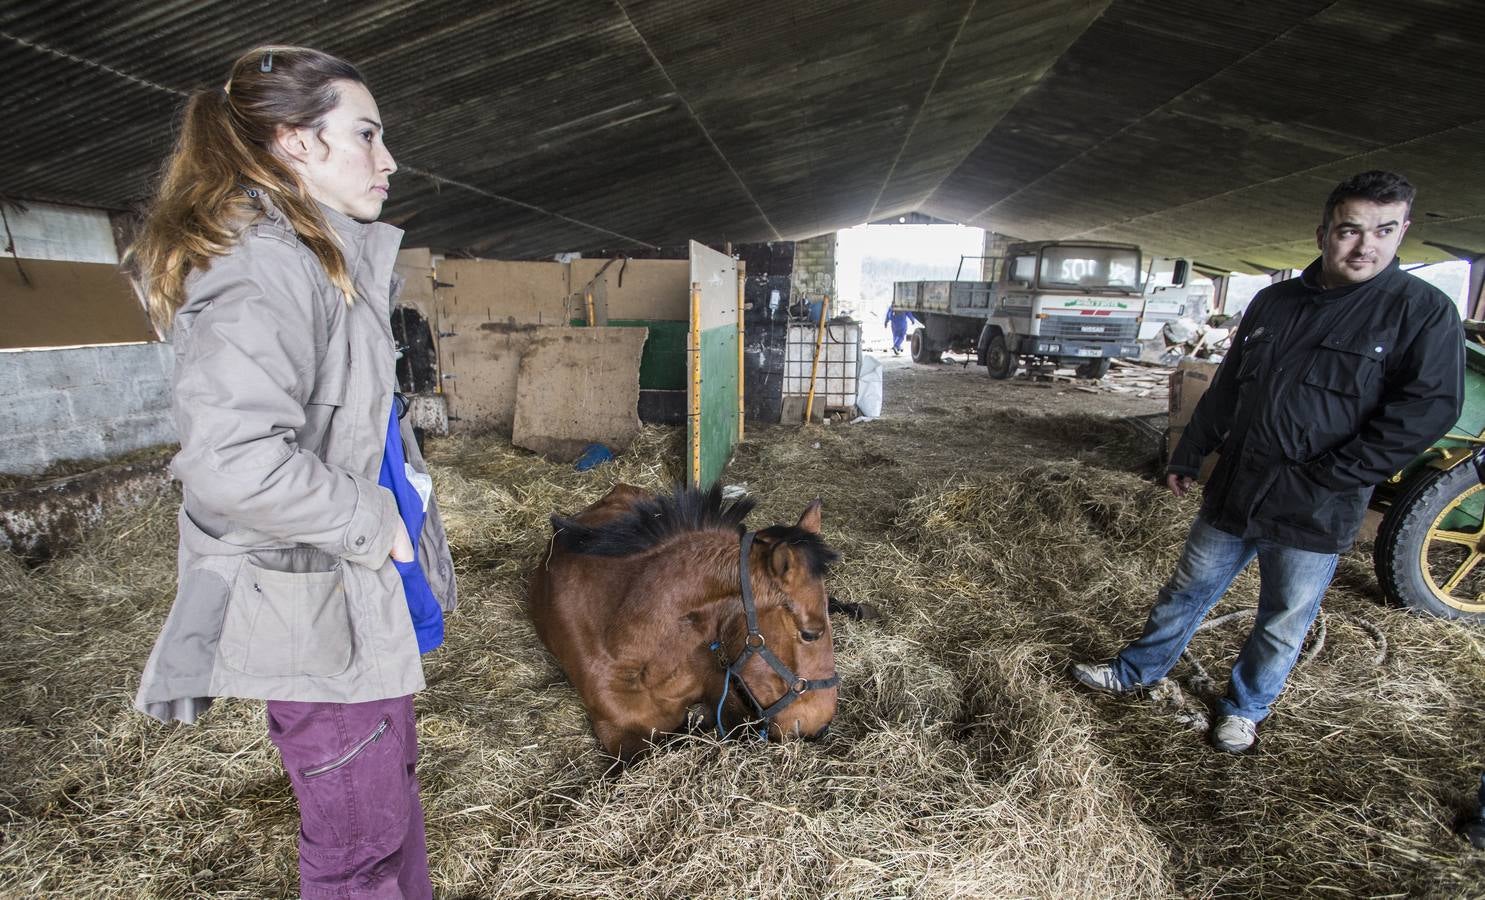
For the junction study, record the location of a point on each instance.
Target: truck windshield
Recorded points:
(1090, 268)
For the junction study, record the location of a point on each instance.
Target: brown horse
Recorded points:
(643, 602)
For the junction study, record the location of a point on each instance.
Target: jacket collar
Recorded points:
(1310, 278)
(375, 243)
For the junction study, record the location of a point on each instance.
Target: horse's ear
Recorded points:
(780, 558)
(810, 520)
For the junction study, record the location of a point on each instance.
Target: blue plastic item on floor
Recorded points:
(593, 455)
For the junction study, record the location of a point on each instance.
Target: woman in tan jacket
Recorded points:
(299, 580)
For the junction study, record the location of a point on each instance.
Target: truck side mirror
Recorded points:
(1178, 274)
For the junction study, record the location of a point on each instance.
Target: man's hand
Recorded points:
(1179, 484)
(402, 548)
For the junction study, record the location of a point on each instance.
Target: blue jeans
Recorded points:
(1292, 583)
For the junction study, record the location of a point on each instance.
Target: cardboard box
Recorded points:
(1188, 382)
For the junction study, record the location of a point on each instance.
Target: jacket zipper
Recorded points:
(349, 754)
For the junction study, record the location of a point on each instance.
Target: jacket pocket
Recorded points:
(1349, 366)
(1257, 348)
(287, 623)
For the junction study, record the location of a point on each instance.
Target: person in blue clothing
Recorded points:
(898, 320)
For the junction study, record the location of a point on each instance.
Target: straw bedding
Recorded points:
(963, 763)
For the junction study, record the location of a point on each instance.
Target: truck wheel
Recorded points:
(1000, 362)
(1430, 545)
(1094, 368)
(923, 350)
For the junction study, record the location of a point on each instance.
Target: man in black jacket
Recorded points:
(1335, 380)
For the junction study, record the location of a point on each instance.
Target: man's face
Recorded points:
(1361, 241)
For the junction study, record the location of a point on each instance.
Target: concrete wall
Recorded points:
(995, 246)
(86, 402)
(814, 266)
(82, 403)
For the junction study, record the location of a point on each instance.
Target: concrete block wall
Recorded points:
(814, 266)
(995, 246)
(83, 403)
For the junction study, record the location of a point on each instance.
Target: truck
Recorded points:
(1072, 303)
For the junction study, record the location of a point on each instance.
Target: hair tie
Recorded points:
(267, 64)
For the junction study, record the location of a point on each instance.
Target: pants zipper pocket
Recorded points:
(350, 754)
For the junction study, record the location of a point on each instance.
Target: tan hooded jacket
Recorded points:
(282, 394)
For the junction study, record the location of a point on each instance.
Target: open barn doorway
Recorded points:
(869, 258)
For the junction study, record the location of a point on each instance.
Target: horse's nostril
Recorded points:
(809, 636)
(822, 734)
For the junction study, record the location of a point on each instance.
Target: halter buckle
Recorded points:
(748, 641)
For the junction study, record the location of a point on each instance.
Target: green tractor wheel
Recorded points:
(1431, 543)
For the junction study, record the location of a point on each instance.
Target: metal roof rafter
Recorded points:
(892, 170)
(664, 73)
(117, 73)
(1133, 122)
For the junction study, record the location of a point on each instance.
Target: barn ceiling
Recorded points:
(528, 127)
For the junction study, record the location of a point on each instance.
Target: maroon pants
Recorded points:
(353, 767)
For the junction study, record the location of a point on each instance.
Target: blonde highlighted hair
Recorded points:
(225, 147)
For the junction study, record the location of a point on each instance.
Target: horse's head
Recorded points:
(786, 672)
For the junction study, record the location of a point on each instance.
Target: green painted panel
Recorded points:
(718, 401)
(662, 364)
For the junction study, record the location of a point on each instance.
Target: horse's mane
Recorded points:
(685, 511)
(649, 522)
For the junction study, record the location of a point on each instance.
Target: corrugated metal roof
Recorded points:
(532, 126)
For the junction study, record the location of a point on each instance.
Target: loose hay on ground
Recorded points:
(964, 763)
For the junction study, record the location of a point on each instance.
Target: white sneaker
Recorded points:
(1234, 734)
(1099, 677)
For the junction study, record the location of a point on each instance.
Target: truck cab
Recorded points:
(1075, 303)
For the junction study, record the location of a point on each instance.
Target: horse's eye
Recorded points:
(809, 636)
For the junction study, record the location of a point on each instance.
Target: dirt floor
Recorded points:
(1001, 528)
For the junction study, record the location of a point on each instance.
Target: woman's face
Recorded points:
(344, 165)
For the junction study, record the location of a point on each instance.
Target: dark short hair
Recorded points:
(1376, 186)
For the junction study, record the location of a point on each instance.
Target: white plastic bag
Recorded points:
(869, 388)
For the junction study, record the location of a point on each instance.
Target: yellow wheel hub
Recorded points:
(1449, 569)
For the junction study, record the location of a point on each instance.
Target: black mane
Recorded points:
(652, 521)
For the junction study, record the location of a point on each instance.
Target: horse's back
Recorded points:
(568, 588)
(620, 499)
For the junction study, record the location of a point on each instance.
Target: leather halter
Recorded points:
(754, 644)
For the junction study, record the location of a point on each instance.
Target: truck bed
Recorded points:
(960, 298)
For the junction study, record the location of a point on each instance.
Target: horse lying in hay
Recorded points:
(654, 604)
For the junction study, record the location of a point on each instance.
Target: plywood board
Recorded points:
(578, 386)
(415, 267)
(480, 374)
(717, 275)
(485, 314)
(488, 291)
(632, 289)
(63, 304)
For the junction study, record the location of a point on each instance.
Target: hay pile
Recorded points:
(963, 763)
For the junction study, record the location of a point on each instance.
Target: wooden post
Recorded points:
(809, 402)
(694, 413)
(741, 285)
(588, 299)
